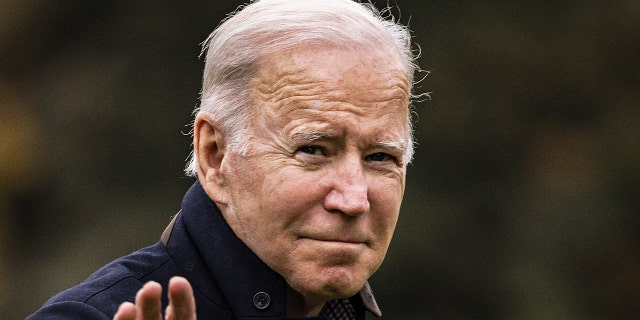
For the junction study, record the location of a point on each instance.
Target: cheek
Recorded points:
(385, 205)
(284, 197)
(290, 186)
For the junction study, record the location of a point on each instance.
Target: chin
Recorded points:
(330, 285)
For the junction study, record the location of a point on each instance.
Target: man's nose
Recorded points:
(349, 192)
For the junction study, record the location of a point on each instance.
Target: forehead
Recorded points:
(356, 68)
(368, 83)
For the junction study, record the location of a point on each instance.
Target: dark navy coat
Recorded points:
(228, 279)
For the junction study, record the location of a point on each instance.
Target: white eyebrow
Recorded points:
(310, 136)
(398, 146)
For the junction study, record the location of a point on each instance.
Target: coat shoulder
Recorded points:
(107, 288)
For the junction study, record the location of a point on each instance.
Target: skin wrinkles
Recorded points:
(302, 132)
(288, 93)
(299, 82)
(324, 177)
(293, 95)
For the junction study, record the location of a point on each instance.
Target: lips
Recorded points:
(339, 240)
(336, 239)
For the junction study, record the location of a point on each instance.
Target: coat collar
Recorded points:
(222, 267)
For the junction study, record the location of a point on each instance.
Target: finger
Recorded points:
(126, 311)
(148, 305)
(182, 305)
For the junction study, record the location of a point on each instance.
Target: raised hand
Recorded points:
(182, 305)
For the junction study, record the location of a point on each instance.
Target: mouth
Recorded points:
(335, 241)
(335, 252)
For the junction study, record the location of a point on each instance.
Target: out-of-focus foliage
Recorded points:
(523, 201)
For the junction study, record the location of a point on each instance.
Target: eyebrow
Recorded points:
(396, 146)
(311, 136)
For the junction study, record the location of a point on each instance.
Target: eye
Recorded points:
(313, 150)
(380, 156)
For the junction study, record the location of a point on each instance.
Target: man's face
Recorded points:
(318, 195)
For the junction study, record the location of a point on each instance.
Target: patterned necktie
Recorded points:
(340, 309)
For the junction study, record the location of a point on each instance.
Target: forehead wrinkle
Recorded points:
(276, 82)
(281, 85)
(286, 87)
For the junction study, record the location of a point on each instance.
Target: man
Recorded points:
(301, 145)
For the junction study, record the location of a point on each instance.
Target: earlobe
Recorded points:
(209, 148)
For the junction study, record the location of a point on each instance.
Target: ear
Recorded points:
(209, 148)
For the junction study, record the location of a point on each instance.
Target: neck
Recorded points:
(299, 306)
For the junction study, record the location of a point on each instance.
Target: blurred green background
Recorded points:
(523, 201)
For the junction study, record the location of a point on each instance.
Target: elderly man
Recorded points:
(301, 145)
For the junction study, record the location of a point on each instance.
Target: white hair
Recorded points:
(268, 26)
